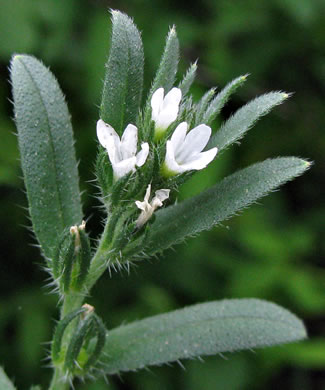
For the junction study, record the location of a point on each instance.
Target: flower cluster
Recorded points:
(184, 150)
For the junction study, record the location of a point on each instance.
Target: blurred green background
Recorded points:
(273, 251)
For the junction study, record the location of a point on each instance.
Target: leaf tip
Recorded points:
(15, 58)
(172, 30)
(307, 164)
(303, 332)
(117, 16)
(172, 34)
(21, 58)
(114, 12)
(299, 333)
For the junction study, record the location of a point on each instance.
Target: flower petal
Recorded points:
(165, 109)
(166, 117)
(156, 103)
(147, 195)
(124, 167)
(162, 194)
(104, 131)
(140, 205)
(112, 147)
(129, 142)
(194, 143)
(143, 154)
(200, 161)
(170, 164)
(173, 98)
(179, 135)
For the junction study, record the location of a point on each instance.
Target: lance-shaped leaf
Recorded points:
(221, 99)
(237, 191)
(202, 106)
(243, 119)
(47, 150)
(203, 329)
(167, 70)
(124, 74)
(165, 77)
(5, 382)
(188, 79)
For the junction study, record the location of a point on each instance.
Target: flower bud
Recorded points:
(83, 256)
(59, 332)
(71, 261)
(63, 259)
(86, 343)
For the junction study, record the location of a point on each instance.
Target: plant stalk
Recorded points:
(57, 382)
(74, 300)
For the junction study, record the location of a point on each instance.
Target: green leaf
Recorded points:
(5, 382)
(203, 329)
(165, 78)
(47, 150)
(237, 191)
(243, 119)
(124, 74)
(167, 70)
(221, 99)
(188, 79)
(202, 106)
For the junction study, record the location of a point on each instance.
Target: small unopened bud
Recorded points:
(72, 257)
(80, 355)
(83, 257)
(59, 332)
(88, 310)
(74, 231)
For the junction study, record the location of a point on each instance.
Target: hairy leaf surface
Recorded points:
(244, 119)
(123, 83)
(237, 191)
(47, 150)
(203, 329)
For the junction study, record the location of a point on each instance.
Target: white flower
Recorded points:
(149, 208)
(184, 151)
(164, 109)
(122, 152)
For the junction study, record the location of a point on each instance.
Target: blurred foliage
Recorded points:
(274, 251)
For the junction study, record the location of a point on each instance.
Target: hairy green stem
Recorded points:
(99, 262)
(57, 381)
